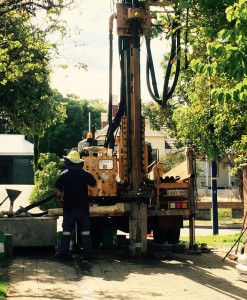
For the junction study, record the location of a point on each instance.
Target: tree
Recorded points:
(228, 60)
(171, 160)
(28, 104)
(155, 114)
(32, 7)
(198, 22)
(44, 179)
(67, 134)
(192, 112)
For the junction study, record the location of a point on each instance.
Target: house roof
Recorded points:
(15, 145)
(148, 131)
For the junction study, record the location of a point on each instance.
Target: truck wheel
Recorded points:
(159, 235)
(173, 235)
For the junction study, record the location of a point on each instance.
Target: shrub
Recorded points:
(49, 167)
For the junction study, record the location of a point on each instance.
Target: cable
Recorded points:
(150, 69)
(174, 55)
(110, 131)
(115, 123)
(175, 49)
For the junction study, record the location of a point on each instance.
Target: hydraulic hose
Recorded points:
(150, 69)
(175, 50)
(35, 204)
(174, 55)
(115, 123)
(110, 130)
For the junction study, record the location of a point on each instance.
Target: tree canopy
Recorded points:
(66, 134)
(207, 108)
(28, 103)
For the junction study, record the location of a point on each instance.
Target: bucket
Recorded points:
(2, 244)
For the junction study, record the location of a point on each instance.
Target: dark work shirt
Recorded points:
(74, 184)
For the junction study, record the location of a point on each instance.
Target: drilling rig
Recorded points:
(131, 192)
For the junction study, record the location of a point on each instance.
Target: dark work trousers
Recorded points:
(80, 216)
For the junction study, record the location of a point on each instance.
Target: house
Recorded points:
(155, 138)
(16, 155)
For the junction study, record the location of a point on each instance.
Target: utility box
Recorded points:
(30, 231)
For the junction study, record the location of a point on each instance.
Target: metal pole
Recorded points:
(214, 182)
(192, 200)
(89, 122)
(214, 197)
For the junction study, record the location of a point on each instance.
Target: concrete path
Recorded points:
(114, 275)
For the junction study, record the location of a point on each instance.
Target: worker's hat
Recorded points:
(89, 135)
(74, 157)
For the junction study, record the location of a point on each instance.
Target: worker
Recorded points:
(90, 139)
(71, 190)
(83, 143)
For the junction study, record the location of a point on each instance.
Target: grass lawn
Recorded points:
(221, 223)
(218, 241)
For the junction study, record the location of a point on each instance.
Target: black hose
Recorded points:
(150, 71)
(169, 68)
(41, 214)
(175, 51)
(122, 105)
(177, 71)
(35, 204)
(110, 130)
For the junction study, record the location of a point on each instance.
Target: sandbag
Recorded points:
(241, 269)
(242, 259)
(242, 277)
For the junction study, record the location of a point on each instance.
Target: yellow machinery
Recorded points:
(131, 192)
(127, 175)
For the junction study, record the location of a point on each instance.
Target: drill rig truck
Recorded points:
(131, 192)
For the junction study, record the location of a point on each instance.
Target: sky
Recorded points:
(89, 44)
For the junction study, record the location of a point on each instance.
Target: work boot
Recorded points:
(61, 255)
(87, 257)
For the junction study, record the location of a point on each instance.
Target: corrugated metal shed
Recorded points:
(15, 145)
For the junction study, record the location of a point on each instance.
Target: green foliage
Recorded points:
(208, 125)
(211, 100)
(155, 114)
(44, 179)
(216, 240)
(28, 104)
(27, 101)
(171, 160)
(67, 134)
(4, 263)
(228, 59)
(240, 147)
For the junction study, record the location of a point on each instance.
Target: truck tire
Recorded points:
(169, 235)
(173, 235)
(159, 235)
